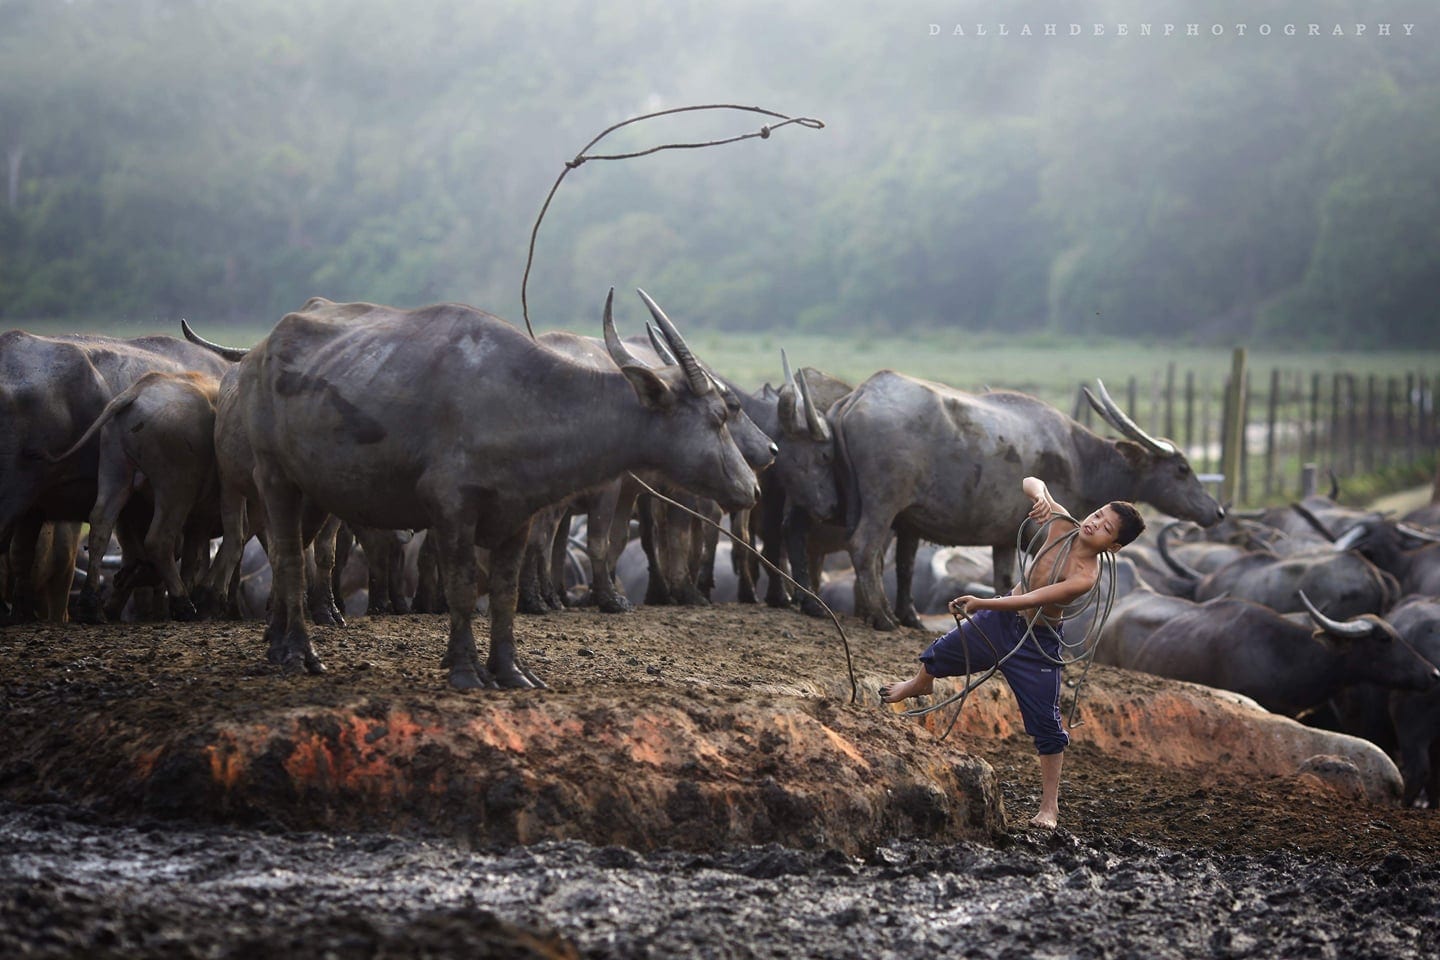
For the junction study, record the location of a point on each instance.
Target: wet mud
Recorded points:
(1153, 859)
(74, 885)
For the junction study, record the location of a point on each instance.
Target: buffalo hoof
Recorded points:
(378, 609)
(86, 609)
(183, 610)
(812, 608)
(883, 621)
(531, 604)
(515, 677)
(468, 677)
(401, 607)
(327, 615)
(296, 660)
(777, 598)
(614, 604)
(911, 619)
(209, 604)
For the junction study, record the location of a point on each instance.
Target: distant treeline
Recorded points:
(228, 160)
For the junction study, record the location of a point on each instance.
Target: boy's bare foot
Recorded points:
(919, 685)
(1046, 819)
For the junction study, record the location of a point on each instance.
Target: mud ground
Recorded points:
(1150, 861)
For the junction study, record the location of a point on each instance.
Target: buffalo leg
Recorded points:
(906, 543)
(504, 580)
(290, 644)
(1004, 562)
(24, 536)
(429, 590)
(772, 536)
(455, 551)
(320, 531)
(867, 549)
(742, 561)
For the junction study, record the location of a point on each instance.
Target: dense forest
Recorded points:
(228, 159)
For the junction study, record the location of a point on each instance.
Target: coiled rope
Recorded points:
(763, 133)
(1070, 652)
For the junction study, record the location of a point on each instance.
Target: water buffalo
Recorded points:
(1410, 553)
(1342, 583)
(931, 461)
(1250, 649)
(158, 431)
(448, 419)
(51, 388)
(242, 512)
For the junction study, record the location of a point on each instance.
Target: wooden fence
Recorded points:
(1292, 419)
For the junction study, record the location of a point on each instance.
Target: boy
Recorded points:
(1032, 672)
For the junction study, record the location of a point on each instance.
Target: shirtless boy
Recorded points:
(1032, 672)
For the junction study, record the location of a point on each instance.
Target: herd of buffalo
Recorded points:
(513, 468)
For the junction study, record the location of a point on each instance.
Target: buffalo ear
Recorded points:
(1134, 454)
(653, 392)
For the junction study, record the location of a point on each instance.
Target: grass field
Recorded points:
(1048, 367)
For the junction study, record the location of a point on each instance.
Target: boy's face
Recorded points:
(1100, 529)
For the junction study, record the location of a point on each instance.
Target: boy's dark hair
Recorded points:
(1131, 524)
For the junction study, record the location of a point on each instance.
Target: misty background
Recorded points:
(225, 160)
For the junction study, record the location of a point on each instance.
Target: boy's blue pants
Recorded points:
(1033, 677)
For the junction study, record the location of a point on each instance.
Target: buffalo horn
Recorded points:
(819, 428)
(1313, 520)
(789, 402)
(1181, 568)
(1340, 628)
(699, 380)
(661, 347)
(613, 344)
(229, 353)
(1351, 537)
(1118, 419)
(1419, 533)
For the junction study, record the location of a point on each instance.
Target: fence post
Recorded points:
(1170, 400)
(1232, 448)
(1410, 422)
(1308, 473)
(1189, 409)
(1205, 426)
(1271, 410)
(1352, 423)
(1372, 425)
(1336, 424)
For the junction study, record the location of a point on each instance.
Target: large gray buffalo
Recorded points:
(51, 389)
(448, 419)
(931, 461)
(1285, 666)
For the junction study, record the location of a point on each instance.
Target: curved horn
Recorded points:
(1118, 419)
(1181, 568)
(1313, 520)
(699, 381)
(613, 344)
(229, 353)
(1340, 628)
(1419, 533)
(819, 427)
(791, 423)
(661, 347)
(1351, 537)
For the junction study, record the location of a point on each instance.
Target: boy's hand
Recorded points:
(1042, 510)
(966, 605)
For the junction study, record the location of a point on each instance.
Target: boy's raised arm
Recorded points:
(1045, 505)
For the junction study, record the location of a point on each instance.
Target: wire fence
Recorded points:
(1291, 425)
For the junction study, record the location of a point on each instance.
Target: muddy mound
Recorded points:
(694, 729)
